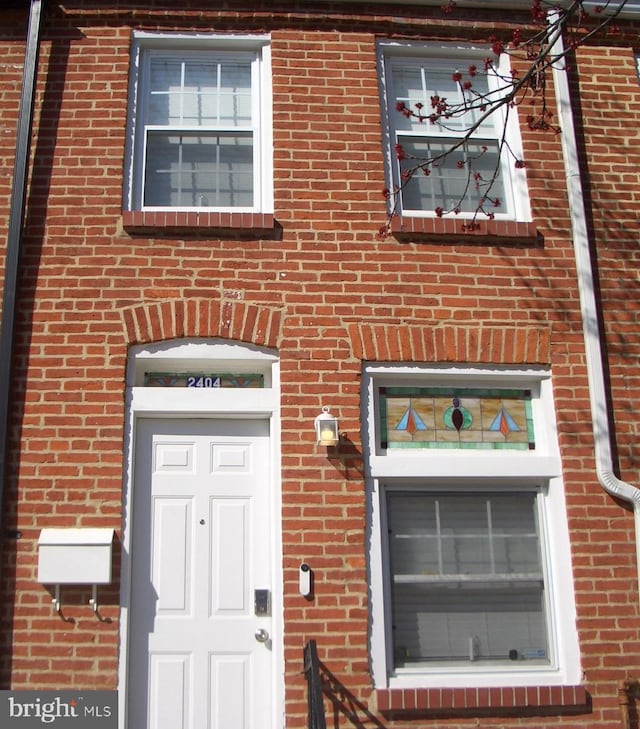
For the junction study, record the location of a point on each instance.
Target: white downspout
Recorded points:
(588, 304)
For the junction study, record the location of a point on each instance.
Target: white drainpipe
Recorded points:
(589, 306)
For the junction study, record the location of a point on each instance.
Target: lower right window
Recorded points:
(470, 570)
(467, 578)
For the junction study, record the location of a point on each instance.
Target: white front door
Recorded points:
(199, 643)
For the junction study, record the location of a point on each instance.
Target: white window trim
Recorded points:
(259, 45)
(431, 466)
(516, 189)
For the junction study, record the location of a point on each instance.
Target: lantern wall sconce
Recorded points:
(326, 426)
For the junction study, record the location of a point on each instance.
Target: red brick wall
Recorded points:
(327, 292)
(603, 541)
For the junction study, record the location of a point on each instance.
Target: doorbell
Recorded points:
(305, 579)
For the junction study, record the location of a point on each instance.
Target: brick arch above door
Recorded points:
(157, 321)
(434, 342)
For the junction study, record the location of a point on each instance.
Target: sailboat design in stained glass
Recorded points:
(411, 422)
(504, 423)
(472, 418)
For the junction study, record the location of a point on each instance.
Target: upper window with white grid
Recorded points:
(200, 129)
(452, 148)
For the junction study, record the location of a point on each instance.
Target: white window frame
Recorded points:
(538, 469)
(144, 45)
(515, 205)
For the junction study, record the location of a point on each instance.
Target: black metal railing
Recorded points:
(316, 718)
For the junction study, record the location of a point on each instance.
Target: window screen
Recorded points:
(466, 575)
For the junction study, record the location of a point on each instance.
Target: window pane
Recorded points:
(464, 536)
(165, 81)
(199, 93)
(449, 186)
(409, 86)
(199, 170)
(415, 547)
(515, 541)
(235, 94)
(466, 577)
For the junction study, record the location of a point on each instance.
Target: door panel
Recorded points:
(201, 545)
(172, 560)
(228, 673)
(230, 518)
(170, 679)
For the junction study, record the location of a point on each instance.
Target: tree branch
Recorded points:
(508, 93)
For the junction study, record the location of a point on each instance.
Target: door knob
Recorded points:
(262, 635)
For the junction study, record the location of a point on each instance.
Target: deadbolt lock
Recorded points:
(262, 602)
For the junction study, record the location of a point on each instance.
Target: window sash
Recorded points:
(466, 580)
(446, 187)
(449, 186)
(208, 92)
(414, 83)
(199, 132)
(199, 170)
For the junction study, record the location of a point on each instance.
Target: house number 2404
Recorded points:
(202, 381)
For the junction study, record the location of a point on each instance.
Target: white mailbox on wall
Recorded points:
(75, 556)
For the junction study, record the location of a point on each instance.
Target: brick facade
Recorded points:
(317, 283)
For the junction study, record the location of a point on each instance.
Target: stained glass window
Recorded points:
(472, 418)
(202, 379)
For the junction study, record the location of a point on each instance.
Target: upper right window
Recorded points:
(452, 148)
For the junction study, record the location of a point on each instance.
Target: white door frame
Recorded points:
(144, 402)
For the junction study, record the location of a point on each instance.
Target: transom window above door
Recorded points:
(200, 122)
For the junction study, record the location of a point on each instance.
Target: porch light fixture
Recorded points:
(326, 428)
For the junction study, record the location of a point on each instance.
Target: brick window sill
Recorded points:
(520, 700)
(247, 223)
(426, 228)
